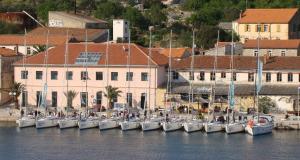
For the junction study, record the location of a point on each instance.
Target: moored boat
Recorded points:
(46, 122)
(262, 126)
(26, 121)
(235, 127)
(130, 124)
(291, 122)
(193, 126)
(109, 124)
(89, 122)
(68, 122)
(211, 127)
(151, 124)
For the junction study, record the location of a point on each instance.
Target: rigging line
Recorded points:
(26, 72)
(128, 64)
(149, 70)
(86, 73)
(106, 65)
(191, 90)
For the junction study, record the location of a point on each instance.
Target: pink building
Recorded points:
(135, 87)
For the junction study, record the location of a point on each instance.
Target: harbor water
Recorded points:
(92, 144)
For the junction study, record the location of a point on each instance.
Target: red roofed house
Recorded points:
(7, 58)
(280, 24)
(133, 81)
(272, 47)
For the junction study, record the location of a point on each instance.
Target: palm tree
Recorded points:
(15, 89)
(111, 93)
(70, 95)
(38, 49)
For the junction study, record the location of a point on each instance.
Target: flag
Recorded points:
(259, 76)
(231, 95)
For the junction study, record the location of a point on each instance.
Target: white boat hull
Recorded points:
(46, 123)
(89, 123)
(171, 126)
(108, 124)
(288, 124)
(192, 126)
(67, 123)
(213, 127)
(259, 129)
(234, 128)
(26, 122)
(129, 125)
(148, 126)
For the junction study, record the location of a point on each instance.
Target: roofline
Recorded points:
(147, 56)
(79, 65)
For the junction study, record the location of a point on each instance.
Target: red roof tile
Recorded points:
(117, 54)
(273, 44)
(268, 15)
(31, 40)
(5, 52)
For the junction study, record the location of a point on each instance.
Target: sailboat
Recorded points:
(26, 120)
(87, 121)
(50, 120)
(214, 125)
(232, 126)
(261, 124)
(132, 122)
(192, 125)
(170, 124)
(109, 122)
(151, 123)
(68, 121)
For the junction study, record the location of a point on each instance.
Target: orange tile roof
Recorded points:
(77, 33)
(268, 15)
(5, 52)
(240, 63)
(175, 52)
(31, 40)
(273, 44)
(117, 55)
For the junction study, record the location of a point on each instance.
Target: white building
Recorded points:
(120, 30)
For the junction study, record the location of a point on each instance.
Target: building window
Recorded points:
(278, 28)
(265, 28)
(223, 74)
(283, 53)
(69, 75)
(129, 76)
(234, 76)
(202, 76)
(268, 77)
(114, 76)
(299, 77)
(250, 77)
(84, 75)
(24, 99)
(279, 77)
(175, 75)
(99, 75)
(129, 99)
(247, 28)
(258, 28)
(28, 51)
(270, 53)
(24, 74)
(191, 76)
(144, 76)
(54, 75)
(99, 98)
(255, 52)
(290, 77)
(54, 99)
(212, 76)
(83, 99)
(38, 98)
(39, 75)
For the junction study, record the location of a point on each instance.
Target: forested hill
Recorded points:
(202, 15)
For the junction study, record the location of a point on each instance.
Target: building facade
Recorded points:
(135, 79)
(120, 30)
(280, 79)
(272, 47)
(280, 24)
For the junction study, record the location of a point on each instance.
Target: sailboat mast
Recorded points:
(149, 69)
(25, 70)
(86, 73)
(106, 66)
(191, 91)
(67, 68)
(230, 98)
(213, 85)
(257, 70)
(129, 63)
(169, 71)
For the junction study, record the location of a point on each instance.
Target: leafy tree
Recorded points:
(108, 10)
(17, 89)
(70, 95)
(155, 15)
(135, 18)
(265, 104)
(6, 28)
(111, 93)
(39, 48)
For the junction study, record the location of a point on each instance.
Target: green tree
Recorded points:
(108, 10)
(265, 104)
(156, 15)
(70, 95)
(39, 48)
(135, 18)
(6, 28)
(111, 93)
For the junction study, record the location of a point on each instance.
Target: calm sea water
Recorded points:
(72, 144)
